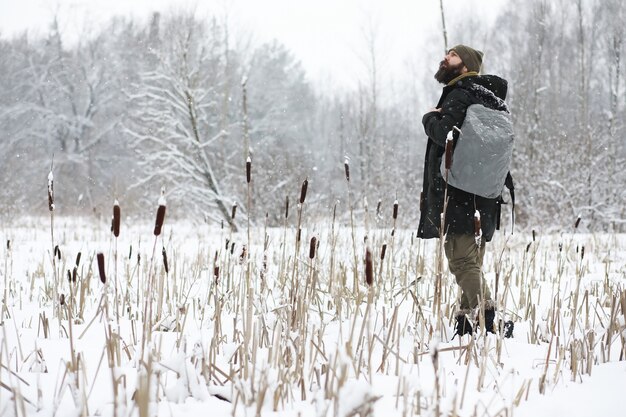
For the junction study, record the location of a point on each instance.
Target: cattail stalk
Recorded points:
(442, 236)
(305, 185)
(312, 247)
(248, 169)
(394, 217)
(284, 245)
(101, 271)
(355, 277)
(51, 208)
(50, 191)
(165, 263)
(369, 268)
(249, 196)
(233, 211)
(311, 284)
(294, 271)
(216, 268)
(148, 297)
(478, 233)
(116, 218)
(160, 217)
(449, 149)
(117, 214)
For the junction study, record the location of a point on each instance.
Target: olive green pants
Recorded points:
(465, 260)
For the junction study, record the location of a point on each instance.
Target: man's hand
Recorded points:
(435, 109)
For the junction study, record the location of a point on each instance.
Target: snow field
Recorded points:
(271, 331)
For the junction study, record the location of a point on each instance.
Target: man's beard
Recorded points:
(446, 73)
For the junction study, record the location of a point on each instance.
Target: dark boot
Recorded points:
(462, 325)
(507, 326)
(490, 315)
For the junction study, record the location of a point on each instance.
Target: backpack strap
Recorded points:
(508, 183)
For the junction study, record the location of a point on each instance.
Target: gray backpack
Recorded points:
(483, 151)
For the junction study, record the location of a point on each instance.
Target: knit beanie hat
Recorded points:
(471, 57)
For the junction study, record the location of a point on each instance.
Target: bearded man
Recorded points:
(463, 86)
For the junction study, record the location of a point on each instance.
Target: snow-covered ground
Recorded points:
(279, 328)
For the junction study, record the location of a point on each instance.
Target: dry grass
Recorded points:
(262, 322)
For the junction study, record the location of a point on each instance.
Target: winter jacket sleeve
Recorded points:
(438, 124)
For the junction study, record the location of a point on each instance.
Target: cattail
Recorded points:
(478, 234)
(383, 251)
(560, 247)
(57, 252)
(130, 252)
(346, 167)
(227, 242)
(138, 259)
(379, 208)
(232, 248)
(582, 252)
(160, 217)
(305, 184)
(248, 169)
(74, 273)
(533, 231)
(233, 211)
(216, 268)
(299, 234)
(116, 218)
(8, 244)
(395, 209)
(286, 207)
(103, 277)
(369, 268)
(50, 191)
(577, 222)
(449, 142)
(78, 259)
(69, 276)
(165, 265)
(477, 230)
(62, 299)
(528, 246)
(244, 253)
(312, 247)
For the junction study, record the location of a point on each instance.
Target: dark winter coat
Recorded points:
(490, 91)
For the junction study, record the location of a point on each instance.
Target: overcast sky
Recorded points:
(326, 35)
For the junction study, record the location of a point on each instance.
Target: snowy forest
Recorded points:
(179, 103)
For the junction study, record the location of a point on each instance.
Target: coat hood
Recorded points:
(489, 90)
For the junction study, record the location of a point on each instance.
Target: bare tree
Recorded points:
(176, 124)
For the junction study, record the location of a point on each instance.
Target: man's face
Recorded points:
(450, 68)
